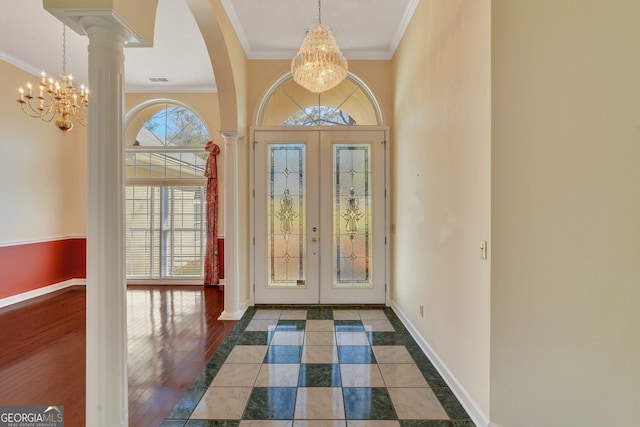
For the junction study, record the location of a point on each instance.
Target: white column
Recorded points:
(106, 387)
(231, 284)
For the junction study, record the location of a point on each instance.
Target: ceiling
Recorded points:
(31, 38)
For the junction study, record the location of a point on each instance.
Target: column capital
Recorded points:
(230, 136)
(106, 23)
(80, 19)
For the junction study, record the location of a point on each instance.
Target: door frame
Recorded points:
(252, 192)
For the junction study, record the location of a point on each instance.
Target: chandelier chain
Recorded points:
(319, 12)
(64, 49)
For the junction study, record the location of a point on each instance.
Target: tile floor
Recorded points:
(319, 366)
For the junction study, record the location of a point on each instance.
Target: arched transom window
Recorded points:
(348, 104)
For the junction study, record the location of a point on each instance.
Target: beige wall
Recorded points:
(565, 346)
(41, 171)
(441, 188)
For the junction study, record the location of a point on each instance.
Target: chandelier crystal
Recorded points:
(319, 64)
(56, 99)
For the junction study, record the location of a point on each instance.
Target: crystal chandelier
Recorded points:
(56, 100)
(319, 64)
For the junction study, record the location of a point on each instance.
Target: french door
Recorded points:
(320, 217)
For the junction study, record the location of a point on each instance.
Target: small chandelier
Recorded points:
(319, 64)
(56, 100)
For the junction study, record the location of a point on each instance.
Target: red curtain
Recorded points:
(212, 259)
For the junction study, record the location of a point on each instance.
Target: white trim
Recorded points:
(406, 19)
(237, 26)
(19, 63)
(470, 405)
(14, 299)
(43, 240)
(387, 215)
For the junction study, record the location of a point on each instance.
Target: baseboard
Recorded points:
(14, 299)
(79, 282)
(475, 413)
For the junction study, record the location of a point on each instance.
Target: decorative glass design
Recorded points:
(287, 214)
(352, 214)
(352, 194)
(320, 115)
(286, 210)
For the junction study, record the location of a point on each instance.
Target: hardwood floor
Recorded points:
(172, 332)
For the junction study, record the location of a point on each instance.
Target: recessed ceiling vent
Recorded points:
(158, 79)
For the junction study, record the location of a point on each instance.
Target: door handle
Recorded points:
(314, 239)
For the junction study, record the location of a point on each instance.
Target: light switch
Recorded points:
(483, 249)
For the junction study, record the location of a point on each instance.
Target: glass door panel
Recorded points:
(352, 200)
(352, 216)
(286, 257)
(286, 239)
